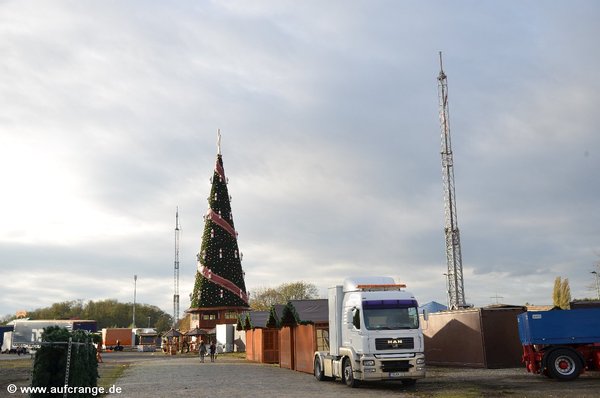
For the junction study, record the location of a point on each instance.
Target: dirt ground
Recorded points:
(516, 382)
(440, 382)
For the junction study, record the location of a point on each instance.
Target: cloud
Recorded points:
(330, 140)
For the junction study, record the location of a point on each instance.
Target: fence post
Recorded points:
(68, 366)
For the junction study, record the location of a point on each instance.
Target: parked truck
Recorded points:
(117, 338)
(28, 333)
(374, 334)
(560, 344)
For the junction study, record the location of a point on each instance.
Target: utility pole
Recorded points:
(456, 291)
(497, 297)
(134, 294)
(176, 273)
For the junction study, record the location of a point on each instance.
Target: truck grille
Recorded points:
(394, 343)
(395, 366)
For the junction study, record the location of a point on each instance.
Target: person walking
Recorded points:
(202, 351)
(213, 350)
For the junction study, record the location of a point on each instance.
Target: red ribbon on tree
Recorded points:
(220, 171)
(224, 283)
(217, 219)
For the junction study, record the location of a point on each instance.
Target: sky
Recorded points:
(329, 115)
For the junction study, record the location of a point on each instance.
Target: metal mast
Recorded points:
(176, 272)
(456, 291)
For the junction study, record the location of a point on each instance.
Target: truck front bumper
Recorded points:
(387, 367)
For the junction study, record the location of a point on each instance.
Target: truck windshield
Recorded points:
(390, 314)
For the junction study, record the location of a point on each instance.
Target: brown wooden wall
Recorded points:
(270, 346)
(293, 348)
(262, 345)
(250, 345)
(305, 345)
(482, 338)
(503, 347)
(454, 338)
(286, 347)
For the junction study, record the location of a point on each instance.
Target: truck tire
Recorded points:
(564, 364)
(318, 370)
(349, 375)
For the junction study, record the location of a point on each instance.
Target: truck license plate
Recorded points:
(395, 374)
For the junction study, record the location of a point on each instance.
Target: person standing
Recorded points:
(213, 350)
(202, 351)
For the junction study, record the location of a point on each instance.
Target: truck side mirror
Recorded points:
(356, 317)
(426, 315)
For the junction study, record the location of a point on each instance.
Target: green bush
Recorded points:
(51, 359)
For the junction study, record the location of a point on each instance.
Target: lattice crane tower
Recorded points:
(456, 290)
(176, 272)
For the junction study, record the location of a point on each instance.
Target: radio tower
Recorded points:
(456, 290)
(176, 273)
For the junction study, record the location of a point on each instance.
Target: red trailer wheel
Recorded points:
(564, 364)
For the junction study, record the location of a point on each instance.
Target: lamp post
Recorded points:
(134, 294)
(597, 283)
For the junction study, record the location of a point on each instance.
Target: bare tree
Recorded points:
(263, 298)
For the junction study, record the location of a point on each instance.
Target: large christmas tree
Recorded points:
(219, 279)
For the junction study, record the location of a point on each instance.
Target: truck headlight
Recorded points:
(420, 361)
(368, 362)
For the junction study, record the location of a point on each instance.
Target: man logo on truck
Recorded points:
(395, 343)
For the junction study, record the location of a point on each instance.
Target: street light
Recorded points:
(597, 283)
(134, 294)
(447, 289)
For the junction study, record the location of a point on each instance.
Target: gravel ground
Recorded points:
(157, 375)
(233, 377)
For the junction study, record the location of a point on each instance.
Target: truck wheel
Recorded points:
(348, 375)
(564, 364)
(318, 371)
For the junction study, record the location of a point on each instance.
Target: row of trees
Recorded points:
(107, 313)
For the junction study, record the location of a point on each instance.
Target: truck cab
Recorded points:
(374, 333)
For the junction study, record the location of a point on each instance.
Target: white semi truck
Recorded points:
(374, 334)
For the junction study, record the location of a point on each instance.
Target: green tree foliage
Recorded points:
(219, 251)
(273, 321)
(289, 316)
(247, 322)
(50, 361)
(263, 299)
(561, 294)
(107, 313)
